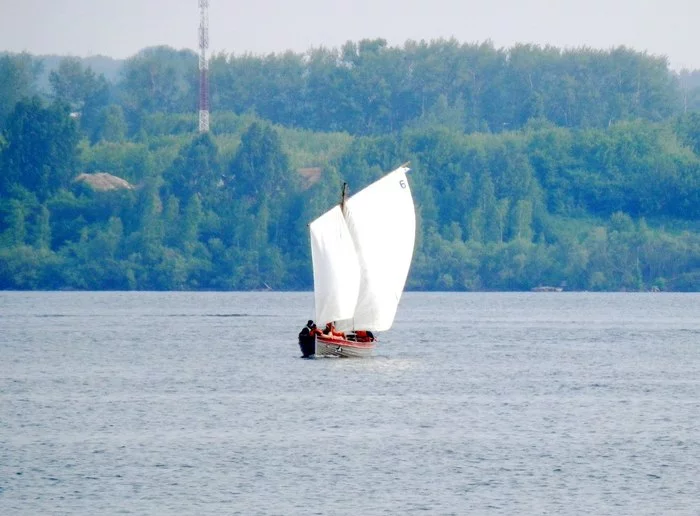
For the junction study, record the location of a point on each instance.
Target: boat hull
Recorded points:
(338, 347)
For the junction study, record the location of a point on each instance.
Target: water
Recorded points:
(198, 403)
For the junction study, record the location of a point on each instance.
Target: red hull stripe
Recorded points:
(345, 343)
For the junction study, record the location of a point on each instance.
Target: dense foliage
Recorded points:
(530, 166)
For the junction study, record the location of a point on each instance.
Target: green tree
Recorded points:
(196, 170)
(688, 128)
(18, 74)
(42, 238)
(17, 223)
(260, 165)
(85, 92)
(191, 222)
(113, 127)
(487, 205)
(158, 79)
(42, 148)
(521, 226)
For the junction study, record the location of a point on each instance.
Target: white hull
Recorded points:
(343, 348)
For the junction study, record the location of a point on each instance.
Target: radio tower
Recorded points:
(203, 66)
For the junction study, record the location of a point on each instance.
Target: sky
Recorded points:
(120, 28)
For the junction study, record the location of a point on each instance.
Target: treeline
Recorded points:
(370, 88)
(531, 166)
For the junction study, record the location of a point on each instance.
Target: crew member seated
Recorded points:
(330, 331)
(364, 336)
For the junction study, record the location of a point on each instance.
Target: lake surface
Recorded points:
(198, 403)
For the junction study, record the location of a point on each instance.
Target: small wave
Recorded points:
(209, 315)
(230, 315)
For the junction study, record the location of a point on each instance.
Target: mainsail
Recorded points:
(362, 255)
(336, 267)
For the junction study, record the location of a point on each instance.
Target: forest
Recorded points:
(531, 166)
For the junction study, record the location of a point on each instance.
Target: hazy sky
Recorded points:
(120, 28)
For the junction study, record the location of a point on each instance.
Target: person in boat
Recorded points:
(331, 332)
(364, 336)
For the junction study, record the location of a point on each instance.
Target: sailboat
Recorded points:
(361, 251)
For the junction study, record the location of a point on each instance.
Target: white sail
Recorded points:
(382, 222)
(336, 267)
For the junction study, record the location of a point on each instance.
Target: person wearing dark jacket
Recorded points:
(310, 330)
(307, 339)
(306, 330)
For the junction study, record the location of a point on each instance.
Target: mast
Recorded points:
(203, 66)
(343, 195)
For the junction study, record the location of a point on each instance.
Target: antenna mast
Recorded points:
(203, 66)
